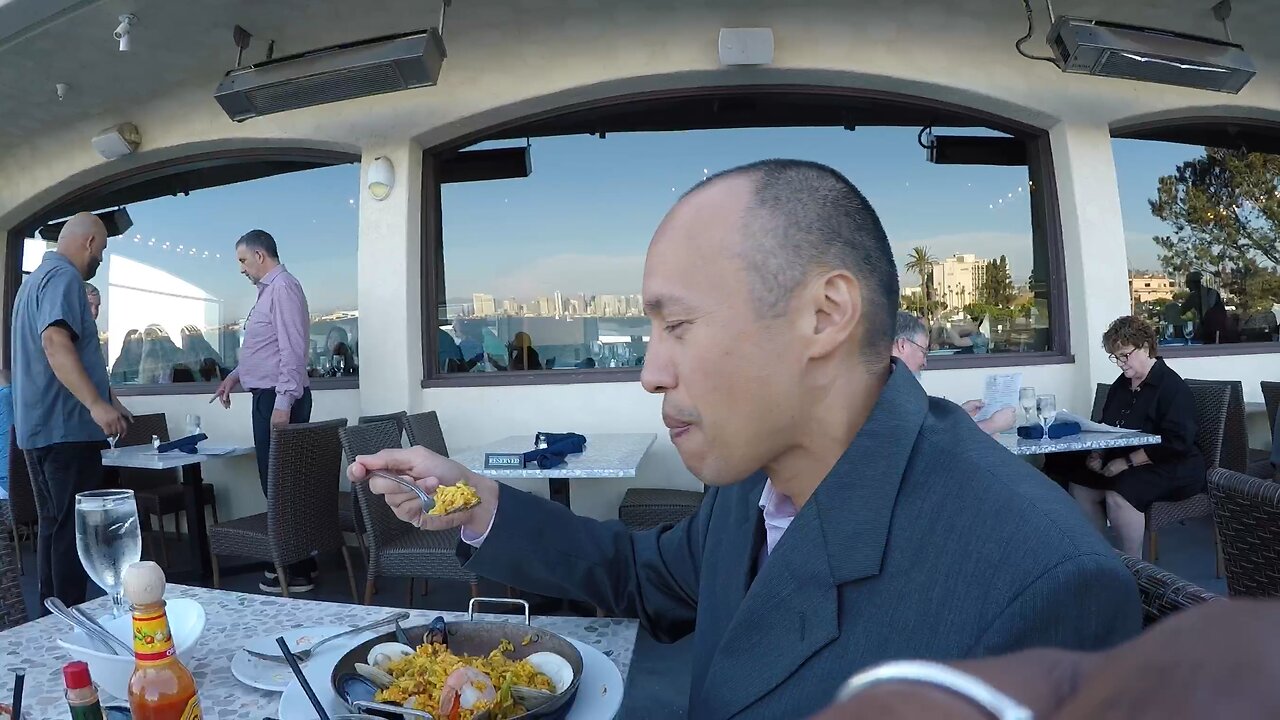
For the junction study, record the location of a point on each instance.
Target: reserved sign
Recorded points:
(504, 461)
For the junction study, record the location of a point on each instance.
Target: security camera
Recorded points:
(122, 31)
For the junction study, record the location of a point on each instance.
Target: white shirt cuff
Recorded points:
(477, 541)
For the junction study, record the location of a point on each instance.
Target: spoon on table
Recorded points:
(428, 502)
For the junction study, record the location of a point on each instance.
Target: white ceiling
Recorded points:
(185, 42)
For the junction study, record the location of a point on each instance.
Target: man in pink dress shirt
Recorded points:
(273, 365)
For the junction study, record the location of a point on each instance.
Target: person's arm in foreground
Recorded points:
(534, 544)
(60, 350)
(1214, 661)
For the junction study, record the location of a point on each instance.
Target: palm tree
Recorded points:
(921, 263)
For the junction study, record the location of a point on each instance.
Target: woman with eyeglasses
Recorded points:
(1120, 485)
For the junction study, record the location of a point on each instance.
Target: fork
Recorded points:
(427, 501)
(305, 654)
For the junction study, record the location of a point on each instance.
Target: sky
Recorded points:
(582, 220)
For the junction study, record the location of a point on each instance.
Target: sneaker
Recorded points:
(296, 585)
(270, 575)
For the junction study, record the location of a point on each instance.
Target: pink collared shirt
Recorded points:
(277, 339)
(778, 511)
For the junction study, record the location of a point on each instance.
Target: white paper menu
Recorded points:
(1001, 392)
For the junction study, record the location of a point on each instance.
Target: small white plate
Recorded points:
(599, 691)
(276, 676)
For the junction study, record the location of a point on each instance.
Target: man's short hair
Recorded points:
(91, 291)
(806, 218)
(908, 327)
(260, 240)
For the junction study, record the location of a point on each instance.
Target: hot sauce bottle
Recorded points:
(161, 687)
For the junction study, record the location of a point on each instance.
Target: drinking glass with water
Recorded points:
(108, 539)
(1047, 407)
(1027, 399)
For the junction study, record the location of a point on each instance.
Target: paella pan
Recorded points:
(462, 670)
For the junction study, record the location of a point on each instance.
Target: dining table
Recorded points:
(145, 457)
(1082, 441)
(235, 619)
(606, 455)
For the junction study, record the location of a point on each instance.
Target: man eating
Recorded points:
(849, 518)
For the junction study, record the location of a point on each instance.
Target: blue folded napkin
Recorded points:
(1056, 430)
(185, 444)
(559, 446)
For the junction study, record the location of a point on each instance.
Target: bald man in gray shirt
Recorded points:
(63, 405)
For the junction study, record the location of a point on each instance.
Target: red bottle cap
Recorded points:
(76, 675)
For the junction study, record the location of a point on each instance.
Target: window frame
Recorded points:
(1045, 216)
(83, 196)
(1185, 130)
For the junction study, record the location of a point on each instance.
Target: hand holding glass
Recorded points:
(108, 539)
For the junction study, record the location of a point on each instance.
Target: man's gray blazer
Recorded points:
(926, 540)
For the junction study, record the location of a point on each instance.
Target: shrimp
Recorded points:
(464, 689)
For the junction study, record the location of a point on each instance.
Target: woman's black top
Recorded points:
(1162, 405)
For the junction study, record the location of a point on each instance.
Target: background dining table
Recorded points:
(1083, 441)
(233, 619)
(607, 455)
(144, 457)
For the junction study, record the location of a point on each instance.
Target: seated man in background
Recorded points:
(911, 346)
(850, 518)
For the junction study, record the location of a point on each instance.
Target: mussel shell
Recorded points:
(354, 687)
(436, 632)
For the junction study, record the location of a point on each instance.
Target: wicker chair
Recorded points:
(13, 607)
(1271, 398)
(159, 492)
(1247, 513)
(1260, 465)
(302, 504)
(1162, 592)
(1213, 402)
(348, 513)
(1235, 442)
(396, 548)
(23, 514)
(644, 508)
(399, 418)
(424, 430)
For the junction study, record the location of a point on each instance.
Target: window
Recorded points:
(1202, 232)
(541, 274)
(174, 302)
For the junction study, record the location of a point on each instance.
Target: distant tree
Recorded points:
(921, 263)
(1224, 210)
(997, 284)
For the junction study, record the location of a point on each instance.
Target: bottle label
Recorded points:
(152, 641)
(193, 709)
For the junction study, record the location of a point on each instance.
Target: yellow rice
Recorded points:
(421, 677)
(450, 498)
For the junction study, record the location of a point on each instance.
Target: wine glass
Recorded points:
(112, 440)
(1027, 399)
(108, 540)
(1048, 409)
(193, 424)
